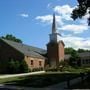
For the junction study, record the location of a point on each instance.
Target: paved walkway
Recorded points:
(23, 74)
(6, 87)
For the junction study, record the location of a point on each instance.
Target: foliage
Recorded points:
(82, 50)
(15, 66)
(12, 38)
(69, 50)
(81, 10)
(51, 69)
(23, 67)
(62, 64)
(59, 68)
(12, 66)
(37, 69)
(74, 58)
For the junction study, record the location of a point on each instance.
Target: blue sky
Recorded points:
(30, 20)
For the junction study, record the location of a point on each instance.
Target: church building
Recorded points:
(33, 56)
(55, 47)
(37, 57)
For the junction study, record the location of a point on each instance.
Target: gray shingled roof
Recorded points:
(84, 54)
(26, 50)
(81, 55)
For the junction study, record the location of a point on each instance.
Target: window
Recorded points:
(83, 61)
(40, 63)
(31, 62)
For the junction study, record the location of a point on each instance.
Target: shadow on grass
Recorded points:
(85, 84)
(42, 80)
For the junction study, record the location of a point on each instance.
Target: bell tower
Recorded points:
(55, 47)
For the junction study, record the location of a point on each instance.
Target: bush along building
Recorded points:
(35, 57)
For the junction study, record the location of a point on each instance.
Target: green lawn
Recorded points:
(45, 79)
(85, 84)
(41, 80)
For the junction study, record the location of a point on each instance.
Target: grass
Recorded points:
(85, 84)
(45, 79)
(42, 80)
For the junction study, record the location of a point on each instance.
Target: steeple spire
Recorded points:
(54, 24)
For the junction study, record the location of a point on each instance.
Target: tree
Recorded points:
(69, 50)
(74, 58)
(81, 10)
(12, 38)
(16, 66)
(23, 68)
(62, 64)
(82, 50)
(12, 66)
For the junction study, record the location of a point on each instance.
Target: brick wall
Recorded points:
(7, 53)
(55, 53)
(61, 51)
(36, 62)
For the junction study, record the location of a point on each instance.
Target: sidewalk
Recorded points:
(23, 74)
(10, 87)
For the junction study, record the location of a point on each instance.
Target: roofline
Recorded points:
(20, 51)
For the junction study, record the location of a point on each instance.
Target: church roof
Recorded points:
(81, 55)
(84, 54)
(26, 50)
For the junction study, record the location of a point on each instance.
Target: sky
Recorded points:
(31, 21)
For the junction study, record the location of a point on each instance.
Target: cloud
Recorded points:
(84, 19)
(64, 11)
(49, 18)
(63, 18)
(24, 15)
(74, 28)
(49, 5)
(77, 42)
(45, 18)
(63, 14)
(65, 23)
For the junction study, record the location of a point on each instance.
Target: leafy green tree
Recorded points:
(62, 64)
(82, 50)
(23, 68)
(15, 66)
(74, 58)
(12, 66)
(81, 10)
(12, 38)
(69, 50)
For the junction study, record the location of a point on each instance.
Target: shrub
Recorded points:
(15, 66)
(23, 68)
(37, 69)
(52, 69)
(12, 66)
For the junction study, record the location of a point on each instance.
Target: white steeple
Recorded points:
(54, 37)
(54, 24)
